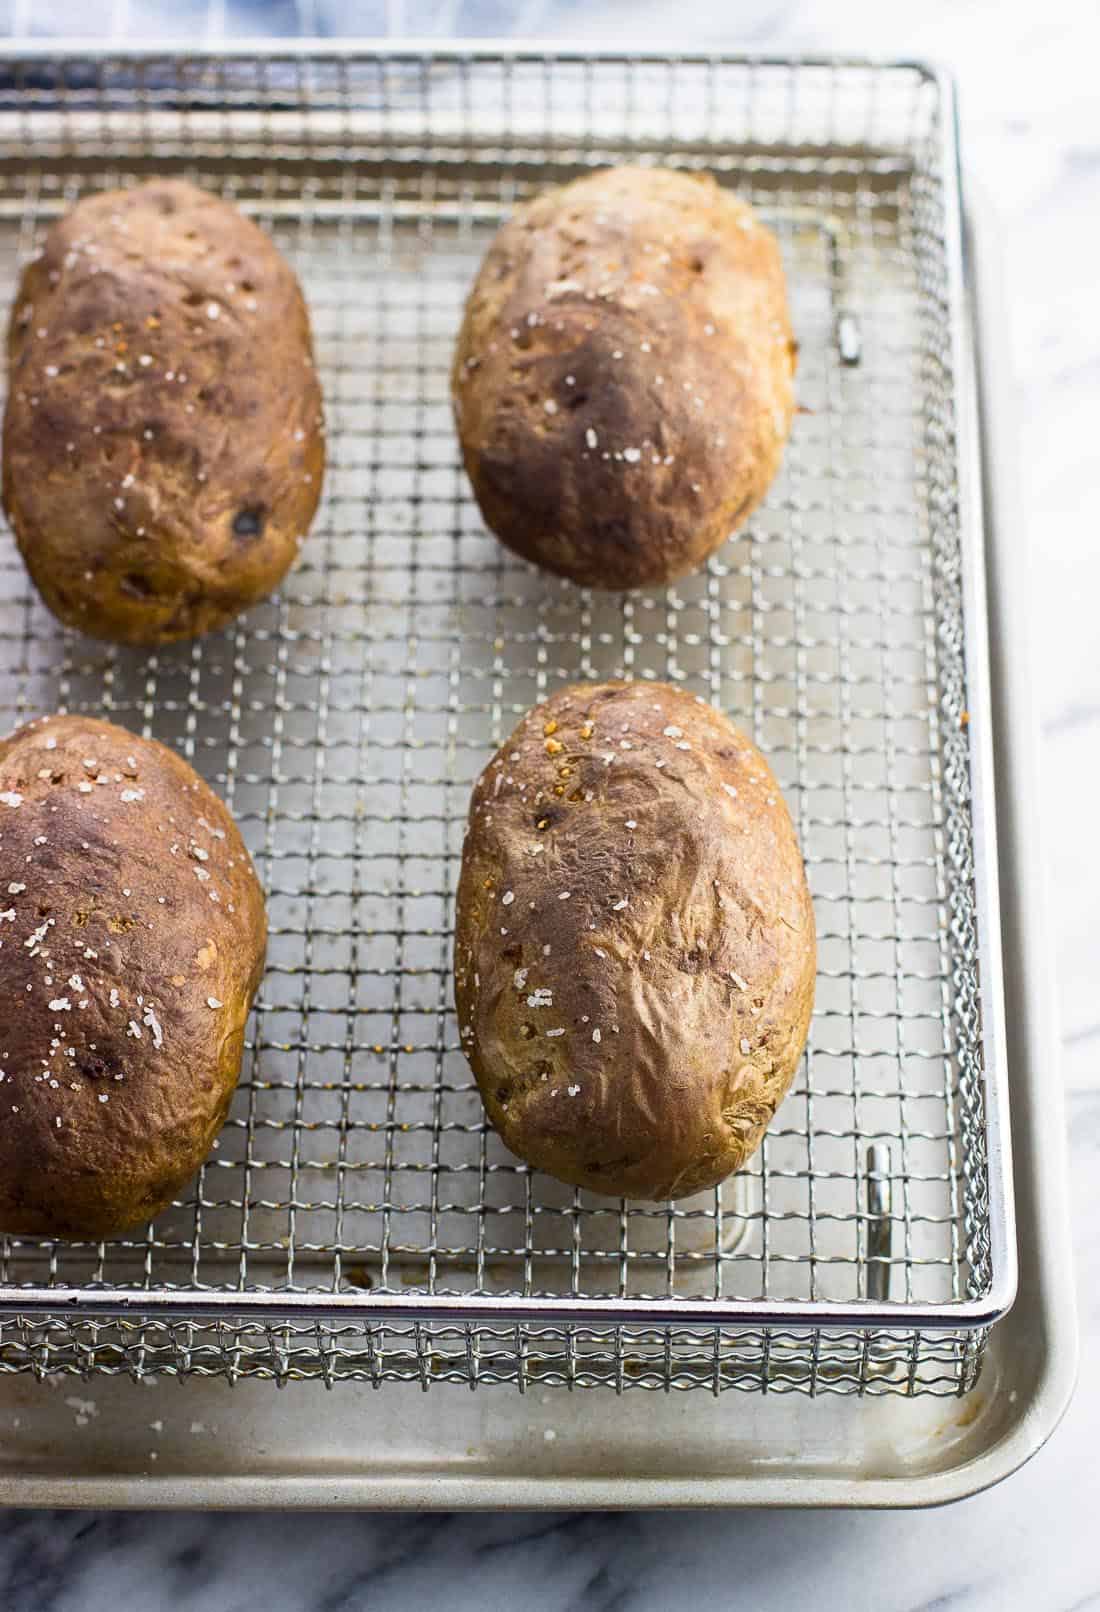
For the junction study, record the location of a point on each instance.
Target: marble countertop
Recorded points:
(1032, 143)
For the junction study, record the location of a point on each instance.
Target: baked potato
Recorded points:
(634, 941)
(163, 436)
(623, 379)
(132, 940)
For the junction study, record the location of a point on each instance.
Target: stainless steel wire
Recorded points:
(345, 721)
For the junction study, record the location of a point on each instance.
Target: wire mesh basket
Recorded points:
(358, 1218)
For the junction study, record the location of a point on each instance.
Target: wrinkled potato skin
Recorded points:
(623, 380)
(133, 935)
(163, 437)
(634, 942)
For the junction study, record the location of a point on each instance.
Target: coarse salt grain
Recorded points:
(150, 1019)
(213, 1002)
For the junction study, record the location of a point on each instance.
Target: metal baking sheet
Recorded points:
(120, 1443)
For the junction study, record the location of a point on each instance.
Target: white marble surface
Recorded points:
(1032, 130)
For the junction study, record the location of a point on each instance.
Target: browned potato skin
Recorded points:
(108, 874)
(669, 888)
(623, 378)
(161, 465)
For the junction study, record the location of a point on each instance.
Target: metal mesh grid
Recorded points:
(853, 1361)
(345, 721)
